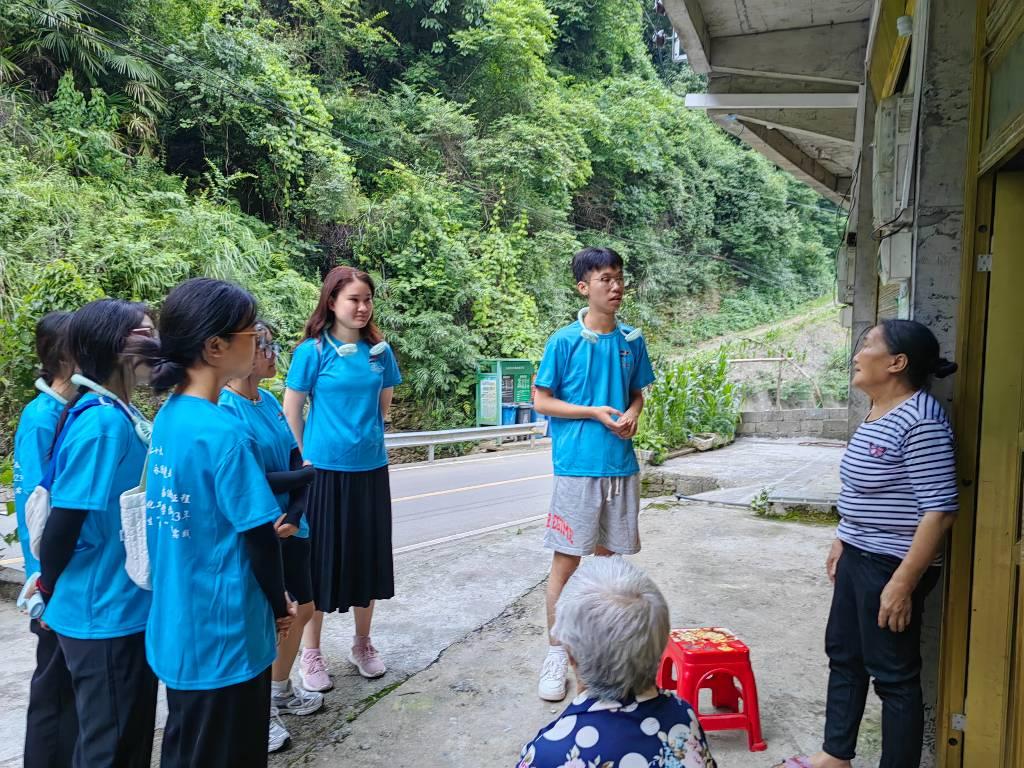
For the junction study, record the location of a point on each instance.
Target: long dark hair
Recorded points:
(918, 343)
(100, 341)
(323, 318)
(100, 337)
(194, 311)
(52, 346)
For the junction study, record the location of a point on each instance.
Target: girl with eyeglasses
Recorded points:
(218, 583)
(52, 724)
(348, 373)
(288, 478)
(97, 612)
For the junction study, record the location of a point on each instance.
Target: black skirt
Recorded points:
(350, 532)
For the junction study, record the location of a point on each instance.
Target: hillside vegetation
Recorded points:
(459, 150)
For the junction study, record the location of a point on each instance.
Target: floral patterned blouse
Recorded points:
(658, 730)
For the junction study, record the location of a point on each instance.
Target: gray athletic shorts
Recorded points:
(587, 512)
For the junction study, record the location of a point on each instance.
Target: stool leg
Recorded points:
(688, 688)
(664, 680)
(723, 691)
(750, 709)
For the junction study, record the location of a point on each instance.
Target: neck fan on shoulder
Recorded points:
(346, 350)
(46, 389)
(143, 428)
(592, 336)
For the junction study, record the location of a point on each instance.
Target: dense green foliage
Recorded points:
(460, 150)
(688, 398)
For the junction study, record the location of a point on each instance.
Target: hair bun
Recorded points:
(944, 368)
(166, 374)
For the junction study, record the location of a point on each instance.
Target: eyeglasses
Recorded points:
(607, 281)
(146, 330)
(271, 349)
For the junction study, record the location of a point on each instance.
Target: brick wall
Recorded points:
(826, 423)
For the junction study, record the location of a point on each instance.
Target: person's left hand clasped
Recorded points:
(627, 425)
(283, 529)
(895, 606)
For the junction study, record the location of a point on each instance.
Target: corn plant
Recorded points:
(688, 397)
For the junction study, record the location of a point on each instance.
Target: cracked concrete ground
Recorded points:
(464, 639)
(763, 579)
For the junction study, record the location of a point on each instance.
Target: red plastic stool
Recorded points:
(713, 657)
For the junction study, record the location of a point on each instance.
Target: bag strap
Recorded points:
(73, 414)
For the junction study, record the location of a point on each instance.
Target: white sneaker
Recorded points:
(278, 733)
(296, 701)
(552, 677)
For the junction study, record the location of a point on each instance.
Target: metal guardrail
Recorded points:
(465, 435)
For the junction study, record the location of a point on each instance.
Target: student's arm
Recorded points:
(288, 523)
(294, 402)
(265, 561)
(57, 546)
(548, 405)
(386, 396)
(627, 424)
(288, 480)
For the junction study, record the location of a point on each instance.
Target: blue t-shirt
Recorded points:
(211, 626)
(345, 427)
(32, 443)
(584, 373)
(101, 458)
(656, 730)
(272, 435)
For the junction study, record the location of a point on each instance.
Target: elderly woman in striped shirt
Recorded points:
(898, 500)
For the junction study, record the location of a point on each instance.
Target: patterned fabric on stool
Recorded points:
(714, 658)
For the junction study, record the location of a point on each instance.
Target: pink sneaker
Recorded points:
(366, 659)
(313, 671)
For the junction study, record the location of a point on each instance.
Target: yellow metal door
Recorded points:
(994, 710)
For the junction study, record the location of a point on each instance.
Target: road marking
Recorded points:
(467, 534)
(470, 488)
(459, 461)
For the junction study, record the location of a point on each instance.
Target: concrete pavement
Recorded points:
(717, 566)
(465, 636)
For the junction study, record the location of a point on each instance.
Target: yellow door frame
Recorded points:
(975, 543)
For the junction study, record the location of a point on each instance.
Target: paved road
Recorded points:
(446, 500)
(466, 496)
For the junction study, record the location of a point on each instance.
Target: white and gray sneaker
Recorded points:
(296, 701)
(278, 733)
(552, 677)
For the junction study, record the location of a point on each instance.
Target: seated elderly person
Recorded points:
(613, 622)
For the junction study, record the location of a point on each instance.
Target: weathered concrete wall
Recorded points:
(938, 238)
(941, 167)
(865, 276)
(826, 423)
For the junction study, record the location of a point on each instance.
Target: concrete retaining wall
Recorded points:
(826, 423)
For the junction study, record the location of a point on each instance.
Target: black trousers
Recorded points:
(115, 695)
(858, 651)
(52, 723)
(221, 728)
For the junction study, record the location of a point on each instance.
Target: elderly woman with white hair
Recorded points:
(613, 621)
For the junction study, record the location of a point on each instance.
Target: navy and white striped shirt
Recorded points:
(894, 470)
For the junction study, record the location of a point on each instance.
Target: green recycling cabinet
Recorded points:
(501, 381)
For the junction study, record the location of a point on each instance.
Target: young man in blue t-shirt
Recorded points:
(590, 383)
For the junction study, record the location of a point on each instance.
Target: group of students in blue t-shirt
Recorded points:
(257, 520)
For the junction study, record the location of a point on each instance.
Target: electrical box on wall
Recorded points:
(892, 188)
(894, 257)
(846, 264)
(846, 317)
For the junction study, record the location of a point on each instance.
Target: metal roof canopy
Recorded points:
(784, 77)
